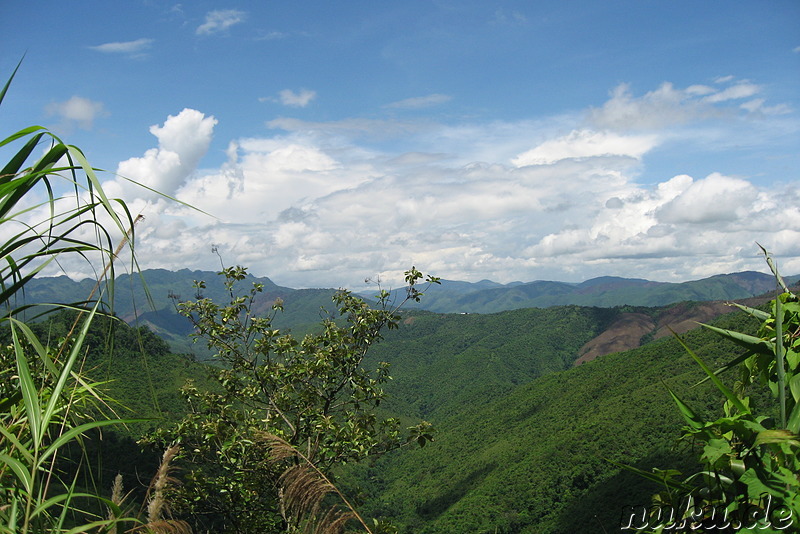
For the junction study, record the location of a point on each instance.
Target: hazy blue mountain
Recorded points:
(605, 291)
(149, 298)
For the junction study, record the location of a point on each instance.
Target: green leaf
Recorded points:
(761, 315)
(794, 387)
(793, 423)
(663, 478)
(734, 400)
(777, 436)
(751, 343)
(19, 469)
(687, 413)
(30, 394)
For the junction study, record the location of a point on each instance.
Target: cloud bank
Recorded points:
(318, 204)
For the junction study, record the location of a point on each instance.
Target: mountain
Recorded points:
(149, 298)
(528, 413)
(606, 291)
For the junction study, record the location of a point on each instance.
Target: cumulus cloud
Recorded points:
(220, 20)
(299, 99)
(183, 140)
(76, 111)
(420, 102)
(131, 48)
(716, 199)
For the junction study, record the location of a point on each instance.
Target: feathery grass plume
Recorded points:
(157, 505)
(116, 498)
(303, 487)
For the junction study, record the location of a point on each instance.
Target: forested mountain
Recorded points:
(149, 298)
(532, 457)
(607, 291)
(523, 435)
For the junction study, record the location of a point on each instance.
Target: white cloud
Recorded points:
(735, 92)
(586, 143)
(700, 90)
(132, 48)
(716, 199)
(666, 106)
(420, 102)
(299, 99)
(220, 20)
(757, 106)
(182, 141)
(77, 111)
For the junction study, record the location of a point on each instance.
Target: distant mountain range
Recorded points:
(607, 291)
(304, 308)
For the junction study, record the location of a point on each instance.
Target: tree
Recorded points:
(312, 394)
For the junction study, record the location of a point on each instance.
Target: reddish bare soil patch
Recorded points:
(684, 317)
(624, 334)
(627, 331)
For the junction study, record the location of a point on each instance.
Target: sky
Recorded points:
(326, 143)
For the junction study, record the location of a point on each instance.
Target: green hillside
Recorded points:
(523, 436)
(140, 372)
(533, 460)
(149, 299)
(442, 364)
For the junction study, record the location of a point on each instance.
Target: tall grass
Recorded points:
(46, 403)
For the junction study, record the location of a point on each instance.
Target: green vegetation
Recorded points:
(749, 481)
(535, 459)
(47, 403)
(444, 364)
(311, 394)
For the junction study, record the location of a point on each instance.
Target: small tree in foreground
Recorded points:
(312, 394)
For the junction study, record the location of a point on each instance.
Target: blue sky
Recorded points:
(502, 140)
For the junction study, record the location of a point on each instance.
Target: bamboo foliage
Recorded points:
(46, 403)
(751, 476)
(33, 246)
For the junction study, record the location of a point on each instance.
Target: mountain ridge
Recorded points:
(155, 306)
